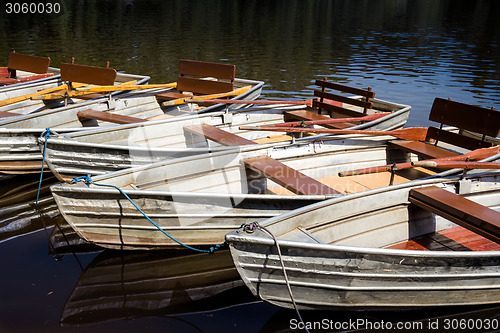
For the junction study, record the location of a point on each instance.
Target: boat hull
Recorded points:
(351, 270)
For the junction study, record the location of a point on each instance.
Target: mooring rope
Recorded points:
(46, 135)
(250, 228)
(88, 180)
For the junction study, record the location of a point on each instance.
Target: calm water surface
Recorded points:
(408, 51)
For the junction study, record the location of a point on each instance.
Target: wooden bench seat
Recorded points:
(193, 78)
(463, 116)
(287, 177)
(27, 63)
(308, 115)
(324, 96)
(88, 74)
(216, 134)
(462, 211)
(86, 116)
(422, 149)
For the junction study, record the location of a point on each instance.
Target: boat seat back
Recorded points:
(88, 74)
(485, 122)
(193, 77)
(288, 177)
(28, 63)
(462, 211)
(333, 103)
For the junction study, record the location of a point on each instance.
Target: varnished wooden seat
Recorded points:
(335, 111)
(308, 115)
(27, 63)
(291, 179)
(88, 117)
(193, 79)
(216, 134)
(485, 122)
(462, 211)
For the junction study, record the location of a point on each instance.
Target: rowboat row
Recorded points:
(325, 204)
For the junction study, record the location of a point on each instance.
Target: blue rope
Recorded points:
(46, 136)
(88, 180)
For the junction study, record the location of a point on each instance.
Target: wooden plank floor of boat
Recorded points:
(452, 239)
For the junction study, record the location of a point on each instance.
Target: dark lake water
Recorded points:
(408, 51)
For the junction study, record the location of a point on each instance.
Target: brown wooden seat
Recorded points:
(485, 122)
(202, 78)
(469, 214)
(338, 111)
(291, 179)
(88, 74)
(87, 118)
(216, 134)
(27, 63)
(308, 115)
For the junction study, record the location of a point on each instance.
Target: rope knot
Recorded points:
(250, 227)
(86, 179)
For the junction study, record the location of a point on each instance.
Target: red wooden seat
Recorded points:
(193, 78)
(218, 135)
(469, 214)
(86, 117)
(287, 177)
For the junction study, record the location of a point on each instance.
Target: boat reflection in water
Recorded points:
(123, 285)
(18, 195)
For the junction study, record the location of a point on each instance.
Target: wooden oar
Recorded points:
(369, 117)
(207, 98)
(29, 96)
(457, 164)
(411, 133)
(477, 154)
(102, 89)
(237, 101)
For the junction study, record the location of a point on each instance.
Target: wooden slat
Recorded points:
(343, 99)
(465, 116)
(200, 86)
(287, 177)
(469, 214)
(308, 115)
(456, 139)
(90, 96)
(109, 117)
(344, 88)
(88, 74)
(422, 149)
(207, 69)
(337, 109)
(218, 135)
(168, 96)
(4, 72)
(28, 63)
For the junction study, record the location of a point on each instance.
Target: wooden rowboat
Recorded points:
(380, 249)
(200, 198)
(104, 150)
(18, 135)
